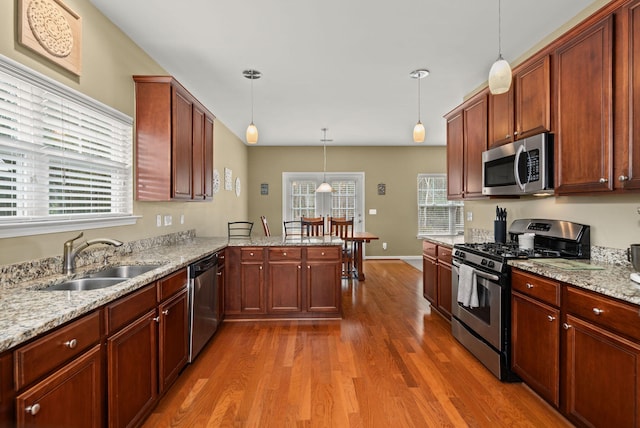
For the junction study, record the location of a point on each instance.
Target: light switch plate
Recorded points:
(373, 211)
(168, 220)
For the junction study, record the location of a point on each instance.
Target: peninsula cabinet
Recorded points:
(324, 290)
(525, 109)
(174, 142)
(466, 140)
(584, 116)
(285, 279)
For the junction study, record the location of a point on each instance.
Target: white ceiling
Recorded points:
(340, 64)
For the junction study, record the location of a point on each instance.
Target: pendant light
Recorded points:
(252, 131)
(500, 73)
(418, 130)
(324, 187)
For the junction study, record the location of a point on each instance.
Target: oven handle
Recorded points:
(480, 273)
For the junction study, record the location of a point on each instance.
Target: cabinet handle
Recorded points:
(603, 180)
(507, 136)
(322, 254)
(623, 178)
(33, 410)
(551, 318)
(156, 319)
(260, 267)
(597, 311)
(71, 344)
(284, 254)
(529, 286)
(566, 326)
(165, 312)
(299, 267)
(219, 273)
(251, 254)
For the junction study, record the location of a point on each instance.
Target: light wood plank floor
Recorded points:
(389, 363)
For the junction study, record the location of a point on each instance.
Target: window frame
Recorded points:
(452, 207)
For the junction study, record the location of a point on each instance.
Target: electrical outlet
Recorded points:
(181, 218)
(168, 220)
(158, 220)
(469, 216)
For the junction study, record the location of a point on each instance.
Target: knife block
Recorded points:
(500, 231)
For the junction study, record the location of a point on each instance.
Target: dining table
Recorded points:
(359, 238)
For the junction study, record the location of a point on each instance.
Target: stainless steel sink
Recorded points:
(85, 284)
(125, 271)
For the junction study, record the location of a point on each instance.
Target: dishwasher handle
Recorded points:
(203, 265)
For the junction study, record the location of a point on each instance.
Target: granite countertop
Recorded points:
(611, 280)
(445, 240)
(26, 310)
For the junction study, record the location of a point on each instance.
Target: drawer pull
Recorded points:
(566, 326)
(33, 410)
(251, 254)
(529, 286)
(165, 312)
(299, 267)
(603, 180)
(260, 267)
(71, 344)
(322, 253)
(551, 318)
(156, 319)
(284, 254)
(597, 311)
(219, 273)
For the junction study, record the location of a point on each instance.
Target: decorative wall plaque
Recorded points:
(51, 29)
(228, 184)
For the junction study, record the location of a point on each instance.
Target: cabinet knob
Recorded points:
(507, 136)
(603, 180)
(33, 410)
(566, 326)
(529, 286)
(515, 132)
(597, 311)
(623, 178)
(251, 254)
(219, 273)
(284, 254)
(71, 344)
(260, 267)
(165, 312)
(322, 253)
(551, 318)
(299, 267)
(156, 319)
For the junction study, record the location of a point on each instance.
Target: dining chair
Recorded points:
(292, 229)
(343, 229)
(265, 225)
(312, 226)
(239, 229)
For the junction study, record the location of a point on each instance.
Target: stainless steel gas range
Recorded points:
(481, 284)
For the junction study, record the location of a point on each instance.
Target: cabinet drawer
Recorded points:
(285, 253)
(429, 249)
(537, 287)
(128, 308)
(171, 284)
(323, 253)
(608, 313)
(54, 349)
(251, 254)
(444, 254)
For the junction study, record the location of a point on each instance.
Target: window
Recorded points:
(437, 215)
(65, 159)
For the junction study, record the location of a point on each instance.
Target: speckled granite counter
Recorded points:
(26, 310)
(612, 281)
(447, 241)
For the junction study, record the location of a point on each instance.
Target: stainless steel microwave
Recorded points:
(522, 167)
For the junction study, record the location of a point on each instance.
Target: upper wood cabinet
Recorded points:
(174, 142)
(466, 140)
(584, 102)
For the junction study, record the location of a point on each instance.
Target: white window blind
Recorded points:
(63, 157)
(303, 199)
(437, 215)
(343, 198)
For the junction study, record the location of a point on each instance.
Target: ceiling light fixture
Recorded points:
(500, 73)
(418, 130)
(252, 131)
(324, 187)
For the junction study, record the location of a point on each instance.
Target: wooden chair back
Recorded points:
(265, 225)
(312, 226)
(343, 228)
(239, 229)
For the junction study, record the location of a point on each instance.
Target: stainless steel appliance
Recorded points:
(522, 167)
(485, 328)
(203, 303)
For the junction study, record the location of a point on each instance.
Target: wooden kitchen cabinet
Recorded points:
(501, 118)
(173, 338)
(436, 277)
(284, 289)
(535, 325)
(221, 284)
(174, 142)
(7, 391)
(466, 140)
(252, 299)
(430, 272)
(444, 282)
(324, 270)
(584, 116)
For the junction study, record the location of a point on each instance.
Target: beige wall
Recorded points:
(397, 167)
(109, 59)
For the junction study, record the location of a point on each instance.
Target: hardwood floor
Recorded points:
(389, 362)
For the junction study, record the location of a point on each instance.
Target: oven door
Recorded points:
(486, 319)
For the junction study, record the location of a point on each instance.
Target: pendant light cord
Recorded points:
(419, 96)
(252, 79)
(499, 29)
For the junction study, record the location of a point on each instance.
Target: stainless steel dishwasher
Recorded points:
(203, 303)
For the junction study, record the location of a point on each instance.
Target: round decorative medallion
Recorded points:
(216, 181)
(50, 28)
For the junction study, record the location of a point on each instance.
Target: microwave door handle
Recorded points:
(516, 172)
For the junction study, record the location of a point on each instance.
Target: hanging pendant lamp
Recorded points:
(252, 130)
(418, 130)
(324, 187)
(500, 73)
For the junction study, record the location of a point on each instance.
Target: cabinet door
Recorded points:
(535, 351)
(584, 137)
(132, 371)
(221, 287)
(323, 286)
(533, 98)
(181, 149)
(455, 159)
(252, 288)
(475, 142)
(71, 397)
(444, 290)
(429, 279)
(501, 118)
(284, 288)
(602, 376)
(198, 153)
(173, 338)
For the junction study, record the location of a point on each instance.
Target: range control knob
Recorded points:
(484, 262)
(491, 264)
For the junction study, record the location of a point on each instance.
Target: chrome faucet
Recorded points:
(69, 254)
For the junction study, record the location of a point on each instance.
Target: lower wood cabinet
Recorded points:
(324, 269)
(436, 277)
(284, 291)
(430, 272)
(444, 281)
(173, 338)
